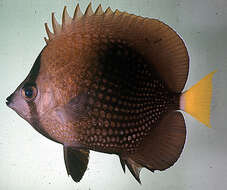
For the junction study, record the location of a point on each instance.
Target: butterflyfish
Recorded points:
(112, 82)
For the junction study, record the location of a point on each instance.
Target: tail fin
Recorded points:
(197, 100)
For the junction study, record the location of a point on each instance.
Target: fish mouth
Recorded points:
(9, 100)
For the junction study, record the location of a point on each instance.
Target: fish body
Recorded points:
(111, 82)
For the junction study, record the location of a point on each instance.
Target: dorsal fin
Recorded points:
(167, 52)
(160, 45)
(67, 20)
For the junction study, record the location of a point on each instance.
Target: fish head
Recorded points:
(33, 98)
(26, 94)
(54, 80)
(17, 100)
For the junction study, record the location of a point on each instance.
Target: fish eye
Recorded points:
(29, 92)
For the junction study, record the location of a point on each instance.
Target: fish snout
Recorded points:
(9, 100)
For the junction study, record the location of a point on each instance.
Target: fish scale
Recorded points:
(122, 106)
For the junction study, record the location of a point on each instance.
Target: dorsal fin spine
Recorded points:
(99, 10)
(77, 13)
(108, 11)
(66, 19)
(49, 33)
(46, 40)
(56, 26)
(89, 10)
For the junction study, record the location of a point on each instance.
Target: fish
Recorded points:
(112, 82)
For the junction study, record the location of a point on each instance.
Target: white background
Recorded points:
(30, 161)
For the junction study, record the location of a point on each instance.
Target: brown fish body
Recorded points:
(109, 82)
(121, 88)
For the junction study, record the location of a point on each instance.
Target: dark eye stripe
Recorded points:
(29, 91)
(35, 70)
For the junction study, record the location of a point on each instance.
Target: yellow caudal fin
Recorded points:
(197, 100)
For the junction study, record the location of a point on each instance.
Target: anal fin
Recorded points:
(76, 161)
(162, 148)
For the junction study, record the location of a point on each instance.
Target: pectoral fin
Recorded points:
(76, 161)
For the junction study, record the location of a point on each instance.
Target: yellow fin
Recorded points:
(197, 100)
